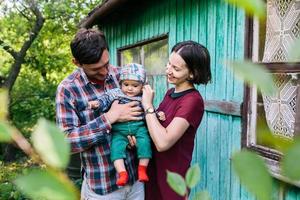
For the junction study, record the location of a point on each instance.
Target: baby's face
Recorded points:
(131, 88)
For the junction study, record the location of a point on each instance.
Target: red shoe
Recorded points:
(123, 178)
(142, 173)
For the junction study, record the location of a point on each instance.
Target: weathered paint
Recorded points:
(221, 28)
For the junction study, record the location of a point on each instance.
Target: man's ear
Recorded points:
(75, 62)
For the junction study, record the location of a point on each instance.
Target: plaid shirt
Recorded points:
(88, 131)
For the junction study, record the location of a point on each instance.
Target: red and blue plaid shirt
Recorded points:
(88, 131)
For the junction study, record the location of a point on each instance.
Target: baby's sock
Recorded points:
(142, 173)
(123, 178)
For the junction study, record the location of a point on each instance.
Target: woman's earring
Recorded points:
(190, 78)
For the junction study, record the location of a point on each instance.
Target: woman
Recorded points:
(189, 64)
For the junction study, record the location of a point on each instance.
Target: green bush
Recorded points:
(8, 172)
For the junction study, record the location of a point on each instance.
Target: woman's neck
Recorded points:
(184, 86)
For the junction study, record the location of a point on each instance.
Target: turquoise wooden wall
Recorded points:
(221, 28)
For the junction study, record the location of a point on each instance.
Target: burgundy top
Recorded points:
(188, 105)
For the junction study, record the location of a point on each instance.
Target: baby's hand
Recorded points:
(93, 104)
(161, 116)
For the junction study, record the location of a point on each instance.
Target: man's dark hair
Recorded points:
(88, 45)
(197, 58)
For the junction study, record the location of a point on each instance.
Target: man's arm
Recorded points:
(81, 137)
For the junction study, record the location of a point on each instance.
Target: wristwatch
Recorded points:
(149, 111)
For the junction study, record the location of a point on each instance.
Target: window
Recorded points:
(280, 113)
(151, 54)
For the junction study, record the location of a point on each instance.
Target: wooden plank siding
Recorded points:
(221, 28)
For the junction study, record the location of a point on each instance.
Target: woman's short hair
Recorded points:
(197, 58)
(88, 45)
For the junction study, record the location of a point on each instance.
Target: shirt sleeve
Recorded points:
(191, 109)
(81, 137)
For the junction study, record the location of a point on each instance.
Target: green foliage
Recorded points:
(176, 182)
(48, 185)
(32, 98)
(48, 60)
(5, 132)
(267, 138)
(203, 195)
(192, 176)
(4, 104)
(252, 7)
(291, 162)
(254, 74)
(181, 186)
(8, 172)
(51, 144)
(54, 150)
(253, 173)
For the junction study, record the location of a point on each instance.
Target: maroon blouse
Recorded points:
(188, 105)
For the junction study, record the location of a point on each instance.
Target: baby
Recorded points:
(132, 79)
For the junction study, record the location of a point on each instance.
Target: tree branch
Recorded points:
(8, 49)
(33, 33)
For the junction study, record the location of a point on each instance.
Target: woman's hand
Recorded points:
(147, 98)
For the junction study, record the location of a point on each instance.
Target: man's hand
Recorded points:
(124, 112)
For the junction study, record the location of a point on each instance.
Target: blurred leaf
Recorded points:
(176, 182)
(253, 174)
(252, 7)
(51, 144)
(4, 104)
(294, 51)
(267, 138)
(203, 195)
(192, 176)
(5, 132)
(290, 162)
(254, 74)
(47, 185)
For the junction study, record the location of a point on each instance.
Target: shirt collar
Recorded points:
(175, 95)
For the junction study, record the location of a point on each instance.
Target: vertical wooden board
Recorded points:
(195, 29)
(211, 46)
(213, 162)
(235, 144)
(292, 193)
(220, 76)
(161, 16)
(123, 35)
(230, 31)
(157, 19)
(173, 22)
(202, 38)
(187, 20)
(199, 154)
(225, 130)
(180, 20)
(160, 88)
(239, 51)
(166, 13)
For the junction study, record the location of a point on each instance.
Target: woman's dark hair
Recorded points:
(88, 45)
(197, 58)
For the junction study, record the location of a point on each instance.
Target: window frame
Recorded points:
(138, 44)
(254, 39)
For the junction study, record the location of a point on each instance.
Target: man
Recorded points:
(88, 130)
